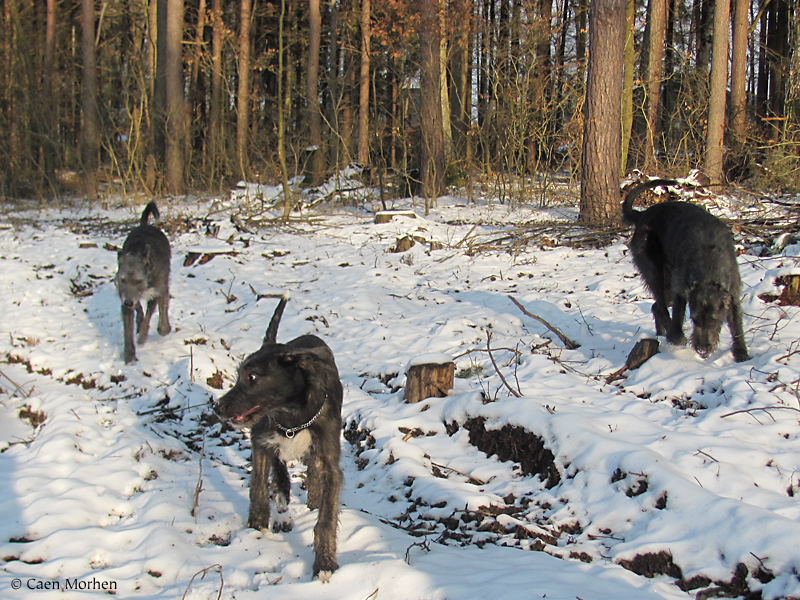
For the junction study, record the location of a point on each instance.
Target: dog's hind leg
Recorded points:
(144, 326)
(324, 485)
(163, 314)
(737, 332)
(259, 488)
(129, 352)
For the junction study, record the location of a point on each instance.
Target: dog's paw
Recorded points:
(324, 576)
(324, 569)
(163, 330)
(282, 526)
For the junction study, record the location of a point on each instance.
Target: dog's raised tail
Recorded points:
(272, 331)
(629, 215)
(150, 209)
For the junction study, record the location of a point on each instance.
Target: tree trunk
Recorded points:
(243, 95)
(215, 122)
(314, 120)
(176, 115)
(49, 144)
(90, 130)
(363, 94)
(655, 70)
(283, 103)
(717, 97)
(600, 162)
(460, 98)
(432, 151)
(160, 88)
(447, 130)
(627, 85)
(739, 72)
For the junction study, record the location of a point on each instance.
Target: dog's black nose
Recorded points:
(128, 303)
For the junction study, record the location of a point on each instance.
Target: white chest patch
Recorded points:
(289, 449)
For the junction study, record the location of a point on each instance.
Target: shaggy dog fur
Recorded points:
(686, 256)
(143, 276)
(291, 398)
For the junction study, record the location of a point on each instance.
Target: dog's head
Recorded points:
(287, 383)
(709, 305)
(132, 275)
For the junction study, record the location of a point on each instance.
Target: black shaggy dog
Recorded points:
(143, 276)
(686, 256)
(291, 398)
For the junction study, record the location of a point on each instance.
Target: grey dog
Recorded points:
(143, 276)
(291, 398)
(686, 256)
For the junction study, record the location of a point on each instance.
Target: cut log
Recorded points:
(385, 216)
(429, 376)
(643, 350)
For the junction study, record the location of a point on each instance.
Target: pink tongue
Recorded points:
(242, 417)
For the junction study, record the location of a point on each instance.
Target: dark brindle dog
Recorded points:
(686, 256)
(291, 398)
(143, 276)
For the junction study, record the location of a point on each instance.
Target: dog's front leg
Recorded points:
(129, 352)
(324, 486)
(144, 328)
(675, 327)
(163, 314)
(259, 487)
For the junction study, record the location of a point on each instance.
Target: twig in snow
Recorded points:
(424, 544)
(568, 343)
(491, 356)
(18, 387)
(472, 480)
(202, 574)
(464, 239)
(766, 409)
(199, 487)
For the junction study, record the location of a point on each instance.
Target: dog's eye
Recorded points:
(252, 377)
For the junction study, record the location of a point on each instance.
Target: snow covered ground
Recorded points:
(684, 470)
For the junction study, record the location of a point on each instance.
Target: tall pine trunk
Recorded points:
(90, 128)
(655, 69)
(363, 96)
(243, 95)
(432, 151)
(215, 121)
(600, 160)
(314, 116)
(176, 115)
(715, 138)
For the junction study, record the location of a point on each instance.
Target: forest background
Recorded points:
(167, 96)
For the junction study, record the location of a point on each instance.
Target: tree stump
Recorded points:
(790, 296)
(429, 376)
